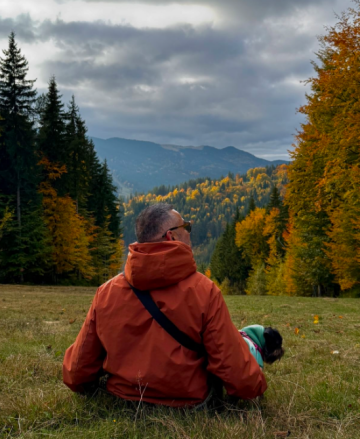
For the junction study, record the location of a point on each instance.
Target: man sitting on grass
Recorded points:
(144, 362)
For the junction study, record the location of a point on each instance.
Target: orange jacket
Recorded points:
(143, 360)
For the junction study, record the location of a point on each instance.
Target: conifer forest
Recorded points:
(286, 230)
(60, 218)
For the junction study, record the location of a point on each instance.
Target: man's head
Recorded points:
(154, 224)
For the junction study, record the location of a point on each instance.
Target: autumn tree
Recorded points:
(250, 237)
(323, 193)
(70, 234)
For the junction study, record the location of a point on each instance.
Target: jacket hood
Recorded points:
(153, 265)
(256, 333)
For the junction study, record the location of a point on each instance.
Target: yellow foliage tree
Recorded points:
(250, 237)
(70, 233)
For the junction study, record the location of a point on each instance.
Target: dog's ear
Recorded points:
(273, 338)
(273, 345)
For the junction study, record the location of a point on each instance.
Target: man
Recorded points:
(144, 361)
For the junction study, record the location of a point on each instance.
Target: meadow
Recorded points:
(314, 391)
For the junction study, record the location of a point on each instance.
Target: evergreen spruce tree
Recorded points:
(275, 199)
(17, 144)
(52, 131)
(227, 261)
(103, 200)
(78, 160)
(18, 161)
(252, 205)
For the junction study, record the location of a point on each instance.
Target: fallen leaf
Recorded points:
(296, 331)
(71, 321)
(335, 352)
(303, 336)
(317, 331)
(48, 347)
(341, 317)
(287, 324)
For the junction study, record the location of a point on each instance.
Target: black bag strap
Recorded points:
(182, 338)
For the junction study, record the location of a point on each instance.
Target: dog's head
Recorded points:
(273, 345)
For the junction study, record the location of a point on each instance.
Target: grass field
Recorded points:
(313, 392)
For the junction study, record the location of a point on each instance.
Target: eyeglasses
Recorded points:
(186, 225)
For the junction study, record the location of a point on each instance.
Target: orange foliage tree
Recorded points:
(70, 233)
(324, 189)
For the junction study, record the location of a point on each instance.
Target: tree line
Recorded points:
(60, 218)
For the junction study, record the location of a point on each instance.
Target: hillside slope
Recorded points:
(139, 165)
(210, 204)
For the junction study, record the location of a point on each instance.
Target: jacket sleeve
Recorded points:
(229, 357)
(83, 360)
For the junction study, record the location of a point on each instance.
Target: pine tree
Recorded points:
(16, 100)
(16, 92)
(52, 131)
(227, 261)
(275, 199)
(252, 205)
(103, 200)
(77, 162)
(18, 170)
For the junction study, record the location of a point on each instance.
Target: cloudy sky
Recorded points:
(195, 72)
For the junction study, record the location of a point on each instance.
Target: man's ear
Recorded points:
(169, 236)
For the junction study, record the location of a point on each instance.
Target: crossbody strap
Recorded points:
(182, 338)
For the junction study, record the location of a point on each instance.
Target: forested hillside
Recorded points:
(210, 204)
(59, 213)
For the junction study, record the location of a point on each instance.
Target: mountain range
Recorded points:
(138, 166)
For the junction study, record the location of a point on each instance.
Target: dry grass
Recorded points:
(313, 393)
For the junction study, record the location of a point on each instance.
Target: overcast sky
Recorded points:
(205, 72)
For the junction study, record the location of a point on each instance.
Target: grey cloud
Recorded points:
(241, 100)
(22, 25)
(237, 10)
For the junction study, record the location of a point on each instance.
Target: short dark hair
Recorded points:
(150, 221)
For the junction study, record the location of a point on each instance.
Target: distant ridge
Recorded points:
(140, 165)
